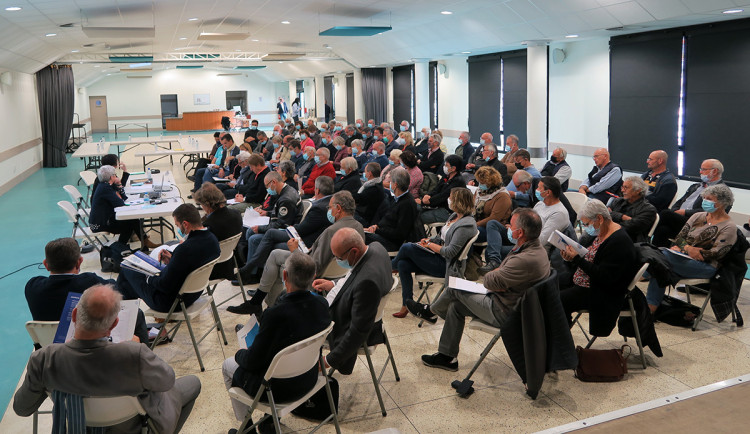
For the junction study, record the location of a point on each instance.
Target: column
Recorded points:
(421, 96)
(359, 102)
(536, 102)
(320, 99)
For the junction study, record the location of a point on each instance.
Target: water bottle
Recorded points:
(156, 148)
(148, 173)
(130, 138)
(180, 136)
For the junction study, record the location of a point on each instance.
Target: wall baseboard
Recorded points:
(19, 178)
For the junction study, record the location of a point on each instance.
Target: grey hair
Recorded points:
(400, 177)
(94, 318)
(407, 123)
(349, 163)
(638, 184)
(105, 173)
(513, 138)
(396, 153)
(563, 152)
(324, 184)
(358, 143)
(716, 164)
(326, 152)
(721, 192)
(243, 156)
(523, 176)
(300, 270)
(593, 208)
(345, 200)
(492, 147)
(437, 137)
(288, 168)
(338, 140)
(468, 136)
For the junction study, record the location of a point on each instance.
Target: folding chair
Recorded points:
(333, 271)
(77, 199)
(196, 281)
(290, 362)
(108, 411)
(653, 227)
(625, 312)
(432, 229)
(425, 280)
(80, 229)
(693, 283)
(88, 178)
(42, 334)
(306, 205)
(227, 252)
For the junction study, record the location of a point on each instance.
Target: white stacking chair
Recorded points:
(290, 362)
(88, 178)
(108, 411)
(333, 271)
(80, 229)
(432, 229)
(692, 284)
(653, 227)
(42, 333)
(196, 281)
(78, 200)
(576, 199)
(306, 205)
(425, 280)
(227, 252)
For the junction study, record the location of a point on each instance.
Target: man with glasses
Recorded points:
(605, 179)
(673, 219)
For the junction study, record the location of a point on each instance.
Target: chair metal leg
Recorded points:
(637, 333)
(331, 404)
(698, 319)
(218, 320)
(274, 415)
(375, 381)
(192, 335)
(390, 356)
(35, 422)
(463, 387)
(164, 325)
(591, 342)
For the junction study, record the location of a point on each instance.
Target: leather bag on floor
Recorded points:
(601, 366)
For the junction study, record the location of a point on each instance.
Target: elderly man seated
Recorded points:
(558, 167)
(91, 365)
(526, 265)
(322, 167)
(662, 186)
(396, 224)
(604, 180)
(632, 211)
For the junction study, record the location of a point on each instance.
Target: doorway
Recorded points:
(99, 117)
(168, 108)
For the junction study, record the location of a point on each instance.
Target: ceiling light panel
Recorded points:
(205, 36)
(119, 32)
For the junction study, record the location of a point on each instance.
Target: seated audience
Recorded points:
(204, 162)
(437, 256)
(632, 211)
(120, 170)
(423, 145)
(602, 276)
(520, 189)
(110, 195)
(219, 167)
(251, 135)
(511, 149)
(199, 247)
(523, 162)
(489, 158)
(296, 155)
(434, 159)
(378, 155)
(305, 139)
(526, 265)
(435, 204)
(672, 220)
(354, 299)
(342, 151)
(91, 365)
(223, 222)
(559, 168)
(706, 238)
(348, 178)
(304, 171)
(394, 161)
(370, 195)
(491, 200)
(280, 150)
(403, 143)
(416, 177)
(252, 192)
(662, 185)
(464, 149)
(296, 316)
(287, 171)
(238, 178)
(604, 180)
(322, 167)
(397, 223)
(359, 154)
(476, 160)
(262, 142)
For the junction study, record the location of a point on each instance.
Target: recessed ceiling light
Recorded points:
(182, 39)
(571, 36)
(12, 8)
(466, 52)
(285, 22)
(238, 50)
(192, 19)
(97, 66)
(73, 51)
(281, 62)
(50, 34)
(446, 12)
(733, 11)
(254, 40)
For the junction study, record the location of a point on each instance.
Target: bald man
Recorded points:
(355, 298)
(662, 186)
(605, 179)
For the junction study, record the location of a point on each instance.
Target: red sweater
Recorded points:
(325, 170)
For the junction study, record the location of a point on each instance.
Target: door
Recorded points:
(168, 108)
(99, 117)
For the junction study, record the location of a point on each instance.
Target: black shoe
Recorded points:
(191, 178)
(232, 431)
(441, 361)
(193, 190)
(246, 308)
(421, 311)
(190, 196)
(238, 327)
(486, 268)
(251, 292)
(248, 277)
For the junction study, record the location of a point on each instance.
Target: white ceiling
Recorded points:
(420, 31)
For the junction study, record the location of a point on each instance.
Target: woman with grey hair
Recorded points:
(704, 240)
(632, 211)
(108, 196)
(287, 170)
(602, 275)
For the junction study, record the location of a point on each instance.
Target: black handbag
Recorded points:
(601, 366)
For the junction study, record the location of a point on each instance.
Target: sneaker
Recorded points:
(440, 361)
(246, 308)
(492, 265)
(421, 311)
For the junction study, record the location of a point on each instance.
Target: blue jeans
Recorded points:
(495, 235)
(412, 259)
(272, 239)
(683, 267)
(253, 241)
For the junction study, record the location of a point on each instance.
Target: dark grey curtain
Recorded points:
(56, 96)
(374, 93)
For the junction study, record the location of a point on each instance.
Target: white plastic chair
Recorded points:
(80, 229)
(108, 411)
(653, 227)
(333, 271)
(576, 199)
(306, 205)
(42, 334)
(77, 199)
(195, 282)
(227, 252)
(290, 362)
(88, 178)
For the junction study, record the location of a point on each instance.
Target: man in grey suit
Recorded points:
(91, 365)
(354, 299)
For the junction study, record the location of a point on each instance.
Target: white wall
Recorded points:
(140, 97)
(339, 94)
(453, 101)
(82, 108)
(19, 122)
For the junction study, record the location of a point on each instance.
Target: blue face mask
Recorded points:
(354, 151)
(338, 147)
(305, 157)
(364, 178)
(275, 145)
(708, 206)
(271, 191)
(369, 125)
(253, 127)
(481, 141)
(510, 236)
(302, 136)
(390, 162)
(483, 187)
(705, 178)
(317, 159)
(292, 153)
(343, 263)
(591, 230)
(538, 196)
(324, 141)
(403, 128)
(486, 158)
(263, 142)
(359, 125)
(341, 172)
(376, 137)
(330, 217)
(297, 127)
(180, 233)
(338, 128)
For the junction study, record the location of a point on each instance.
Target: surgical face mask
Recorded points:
(302, 136)
(591, 230)
(519, 166)
(253, 127)
(275, 145)
(449, 204)
(704, 178)
(391, 162)
(385, 139)
(305, 157)
(364, 178)
(330, 217)
(446, 169)
(324, 141)
(483, 187)
(510, 236)
(338, 128)
(460, 142)
(369, 125)
(338, 147)
(403, 128)
(297, 127)
(401, 141)
(341, 172)
(343, 263)
(180, 233)
(354, 151)
(271, 191)
(486, 158)
(275, 133)
(359, 125)
(377, 137)
(538, 196)
(317, 159)
(292, 153)
(481, 141)
(263, 142)
(708, 206)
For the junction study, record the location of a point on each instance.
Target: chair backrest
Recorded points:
(69, 210)
(42, 332)
(576, 199)
(333, 270)
(197, 280)
(227, 247)
(108, 411)
(638, 276)
(75, 196)
(467, 248)
(88, 177)
(653, 227)
(381, 310)
(306, 205)
(296, 359)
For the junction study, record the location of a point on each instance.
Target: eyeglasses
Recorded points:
(345, 254)
(706, 170)
(269, 184)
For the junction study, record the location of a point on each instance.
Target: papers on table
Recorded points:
(466, 285)
(143, 264)
(674, 252)
(246, 335)
(560, 240)
(294, 234)
(252, 218)
(122, 332)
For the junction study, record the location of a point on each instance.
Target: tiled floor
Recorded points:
(423, 400)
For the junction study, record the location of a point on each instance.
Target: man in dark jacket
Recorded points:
(370, 196)
(252, 191)
(632, 211)
(348, 177)
(662, 186)
(434, 160)
(396, 225)
(464, 149)
(435, 205)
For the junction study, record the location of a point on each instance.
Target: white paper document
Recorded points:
(674, 252)
(252, 218)
(472, 188)
(246, 335)
(125, 327)
(466, 285)
(170, 247)
(560, 240)
(294, 234)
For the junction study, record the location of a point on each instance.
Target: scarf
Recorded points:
(482, 199)
(369, 183)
